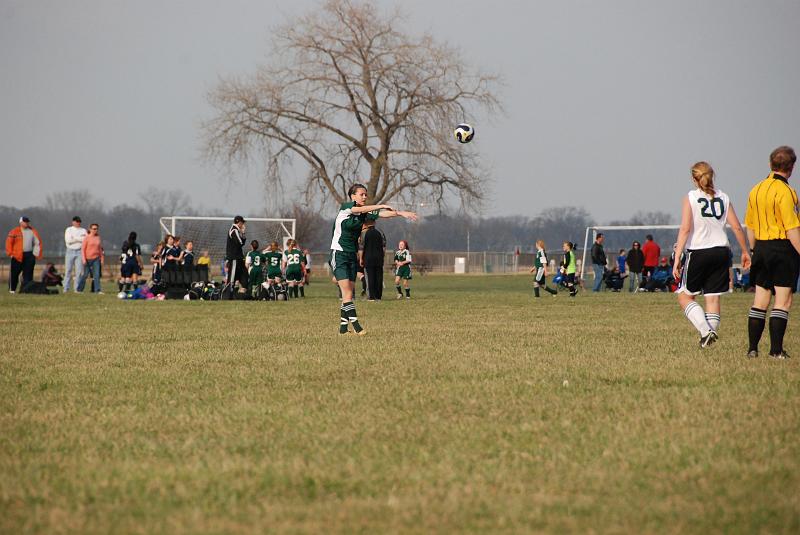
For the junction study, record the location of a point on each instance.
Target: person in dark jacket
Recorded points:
(661, 278)
(598, 262)
(234, 257)
(374, 251)
(635, 261)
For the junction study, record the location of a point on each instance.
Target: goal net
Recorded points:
(211, 233)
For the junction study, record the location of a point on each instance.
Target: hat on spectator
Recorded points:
(664, 259)
(77, 218)
(24, 219)
(238, 219)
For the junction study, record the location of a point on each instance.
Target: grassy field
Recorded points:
(470, 408)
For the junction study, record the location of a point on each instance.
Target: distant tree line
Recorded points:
(438, 232)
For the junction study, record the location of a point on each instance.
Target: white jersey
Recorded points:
(708, 220)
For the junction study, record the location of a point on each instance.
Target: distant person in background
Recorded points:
(73, 264)
(599, 262)
(402, 263)
(613, 279)
(50, 275)
(234, 257)
(540, 270)
(651, 251)
(254, 261)
(204, 259)
(170, 254)
(131, 263)
(307, 277)
(93, 259)
(569, 266)
(621, 262)
(635, 263)
(156, 258)
(374, 254)
(660, 278)
(177, 244)
(23, 246)
(188, 255)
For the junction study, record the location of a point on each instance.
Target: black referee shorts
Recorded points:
(775, 263)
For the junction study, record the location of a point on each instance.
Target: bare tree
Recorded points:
(353, 98)
(162, 202)
(77, 201)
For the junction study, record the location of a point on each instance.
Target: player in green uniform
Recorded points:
(254, 262)
(402, 271)
(273, 259)
(293, 266)
(540, 268)
(344, 247)
(569, 267)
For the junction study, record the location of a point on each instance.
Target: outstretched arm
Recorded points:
(412, 216)
(736, 227)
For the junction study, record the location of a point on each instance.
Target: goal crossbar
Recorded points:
(281, 221)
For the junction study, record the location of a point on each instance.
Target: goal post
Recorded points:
(209, 233)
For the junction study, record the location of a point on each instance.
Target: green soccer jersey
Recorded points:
(273, 260)
(402, 256)
(540, 260)
(257, 260)
(347, 228)
(294, 258)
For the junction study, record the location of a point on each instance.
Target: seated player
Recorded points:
(293, 264)
(254, 262)
(614, 279)
(661, 277)
(50, 275)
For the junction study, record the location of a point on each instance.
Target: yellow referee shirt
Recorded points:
(772, 208)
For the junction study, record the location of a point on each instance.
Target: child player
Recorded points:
(293, 264)
(402, 262)
(540, 268)
(254, 262)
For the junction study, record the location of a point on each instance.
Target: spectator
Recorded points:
(661, 278)
(651, 251)
(635, 262)
(621, 262)
(598, 262)
(73, 265)
(374, 253)
(50, 276)
(93, 259)
(23, 246)
(307, 254)
(188, 255)
(614, 279)
(204, 259)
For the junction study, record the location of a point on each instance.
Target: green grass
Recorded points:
(470, 408)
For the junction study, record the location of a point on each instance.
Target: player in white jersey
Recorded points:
(704, 267)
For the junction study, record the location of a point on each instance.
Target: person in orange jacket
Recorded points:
(23, 246)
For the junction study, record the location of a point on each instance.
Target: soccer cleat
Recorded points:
(12, 292)
(782, 355)
(752, 354)
(408, 297)
(362, 332)
(708, 339)
(399, 296)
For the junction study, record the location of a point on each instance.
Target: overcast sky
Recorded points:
(607, 104)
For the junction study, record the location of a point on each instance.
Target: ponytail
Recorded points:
(703, 175)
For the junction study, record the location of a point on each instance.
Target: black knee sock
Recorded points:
(120, 285)
(777, 328)
(550, 290)
(302, 292)
(128, 286)
(408, 292)
(755, 326)
(343, 318)
(536, 291)
(399, 289)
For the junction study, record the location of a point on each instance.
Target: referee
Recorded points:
(773, 229)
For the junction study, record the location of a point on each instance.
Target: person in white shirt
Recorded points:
(73, 264)
(704, 270)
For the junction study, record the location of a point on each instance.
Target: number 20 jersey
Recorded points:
(708, 220)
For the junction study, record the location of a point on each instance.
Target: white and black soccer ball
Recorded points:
(122, 295)
(464, 133)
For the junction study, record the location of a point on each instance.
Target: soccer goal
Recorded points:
(211, 233)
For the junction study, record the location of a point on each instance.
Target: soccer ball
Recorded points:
(464, 133)
(122, 295)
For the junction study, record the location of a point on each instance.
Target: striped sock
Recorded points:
(713, 321)
(755, 326)
(778, 319)
(694, 313)
(343, 321)
(350, 310)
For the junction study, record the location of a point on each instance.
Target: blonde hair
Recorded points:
(703, 175)
(540, 244)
